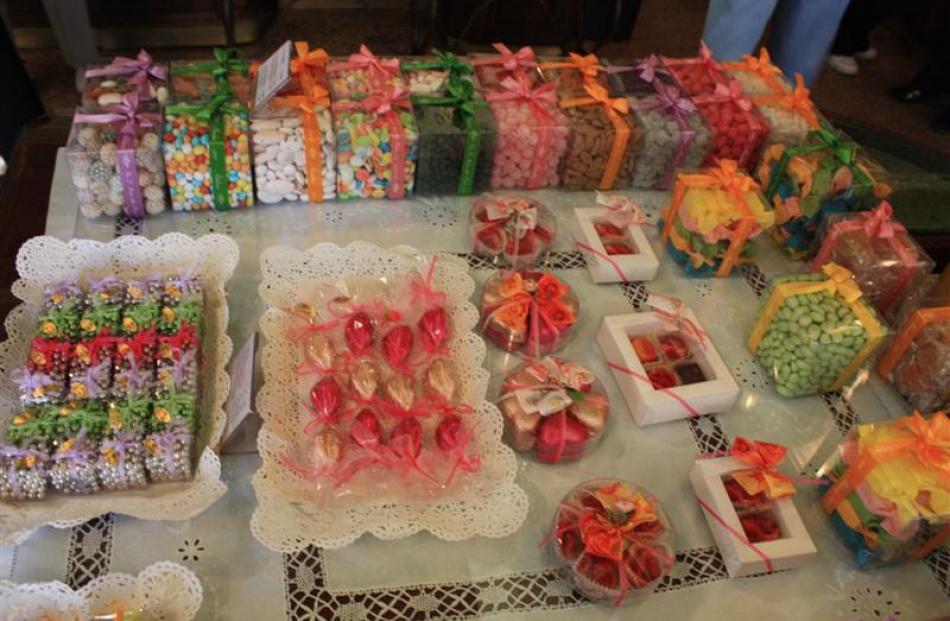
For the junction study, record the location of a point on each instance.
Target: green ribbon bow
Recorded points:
(212, 112)
(225, 62)
(460, 94)
(445, 61)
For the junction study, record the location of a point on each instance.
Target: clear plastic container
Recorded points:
(515, 231)
(106, 85)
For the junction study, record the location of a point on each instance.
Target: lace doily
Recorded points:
(491, 505)
(164, 591)
(45, 260)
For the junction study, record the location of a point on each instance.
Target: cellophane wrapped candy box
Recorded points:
(711, 218)
(115, 161)
(611, 237)
(513, 230)
(199, 80)
(362, 74)
(886, 261)
(107, 85)
(917, 360)
(698, 75)
(555, 410)
(614, 540)
(492, 69)
(886, 492)
(823, 175)
(814, 332)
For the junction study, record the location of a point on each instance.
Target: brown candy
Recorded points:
(440, 378)
(364, 379)
(399, 390)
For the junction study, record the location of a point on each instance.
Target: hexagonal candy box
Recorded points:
(613, 242)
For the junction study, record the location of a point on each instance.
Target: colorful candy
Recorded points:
(106, 85)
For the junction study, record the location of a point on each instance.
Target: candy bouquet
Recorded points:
(530, 312)
(614, 539)
(888, 494)
(711, 218)
(917, 361)
(107, 85)
(492, 69)
(886, 261)
(115, 160)
(554, 409)
(515, 230)
(815, 331)
(823, 175)
(115, 427)
(199, 81)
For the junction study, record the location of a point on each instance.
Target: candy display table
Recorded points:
(425, 578)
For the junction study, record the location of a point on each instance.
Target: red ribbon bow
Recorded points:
(520, 88)
(879, 222)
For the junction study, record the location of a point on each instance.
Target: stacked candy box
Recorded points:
(115, 161)
(738, 129)
(208, 155)
(815, 331)
(493, 69)
(917, 361)
(825, 174)
(614, 539)
(106, 85)
(364, 74)
(573, 73)
(198, 81)
(555, 410)
(612, 240)
(697, 76)
(377, 142)
(526, 311)
(711, 218)
(457, 132)
(515, 231)
(603, 140)
(887, 495)
(115, 428)
(532, 135)
(886, 261)
(674, 136)
(639, 77)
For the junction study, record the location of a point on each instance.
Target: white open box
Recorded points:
(794, 549)
(648, 405)
(641, 266)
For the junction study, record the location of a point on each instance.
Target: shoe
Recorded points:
(907, 94)
(868, 54)
(845, 65)
(942, 124)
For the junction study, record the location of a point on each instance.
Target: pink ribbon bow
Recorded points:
(670, 310)
(385, 102)
(126, 112)
(141, 67)
(507, 59)
(733, 90)
(521, 88)
(366, 59)
(622, 211)
(879, 222)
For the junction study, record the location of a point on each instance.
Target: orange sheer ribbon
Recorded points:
(589, 66)
(798, 101)
(613, 108)
(760, 65)
(764, 479)
(312, 140)
(917, 322)
(307, 64)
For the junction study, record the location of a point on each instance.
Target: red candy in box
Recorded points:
(514, 229)
(699, 75)
(738, 129)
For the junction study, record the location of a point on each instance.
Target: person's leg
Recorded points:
(69, 20)
(734, 27)
(859, 19)
(802, 32)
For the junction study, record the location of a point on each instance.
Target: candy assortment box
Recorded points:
(107, 85)
(665, 364)
(115, 160)
(674, 136)
(515, 231)
(886, 261)
(532, 135)
(198, 81)
(377, 146)
(613, 539)
(749, 508)
(711, 218)
(364, 74)
(492, 69)
(887, 495)
(917, 360)
(613, 242)
(825, 174)
(814, 332)
(738, 129)
(555, 410)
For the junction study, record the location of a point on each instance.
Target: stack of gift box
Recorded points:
(109, 391)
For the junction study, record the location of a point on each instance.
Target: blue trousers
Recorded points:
(802, 31)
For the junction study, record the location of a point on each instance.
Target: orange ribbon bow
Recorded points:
(307, 64)
(613, 108)
(764, 479)
(733, 90)
(798, 101)
(589, 65)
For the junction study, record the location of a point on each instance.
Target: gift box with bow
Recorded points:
(106, 85)
(917, 360)
(198, 81)
(515, 230)
(493, 69)
(363, 74)
(611, 236)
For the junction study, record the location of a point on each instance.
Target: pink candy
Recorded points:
(529, 147)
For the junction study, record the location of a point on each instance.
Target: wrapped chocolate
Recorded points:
(530, 312)
(174, 409)
(63, 304)
(532, 134)
(886, 261)
(199, 81)
(168, 454)
(554, 410)
(711, 218)
(493, 69)
(515, 230)
(121, 464)
(129, 414)
(815, 331)
(614, 539)
(134, 363)
(377, 141)
(36, 387)
(115, 160)
(825, 174)
(917, 361)
(23, 472)
(364, 74)
(674, 136)
(47, 366)
(106, 85)
(72, 467)
(887, 494)
(142, 308)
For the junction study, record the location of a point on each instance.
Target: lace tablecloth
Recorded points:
(424, 578)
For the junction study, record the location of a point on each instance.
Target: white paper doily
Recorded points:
(492, 505)
(162, 592)
(45, 260)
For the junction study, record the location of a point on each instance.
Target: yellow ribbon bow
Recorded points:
(842, 281)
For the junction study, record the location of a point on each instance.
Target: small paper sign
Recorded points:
(272, 75)
(239, 404)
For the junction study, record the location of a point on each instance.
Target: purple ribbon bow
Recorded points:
(168, 440)
(668, 98)
(64, 289)
(88, 378)
(97, 285)
(28, 381)
(135, 379)
(120, 445)
(141, 68)
(178, 368)
(14, 454)
(647, 69)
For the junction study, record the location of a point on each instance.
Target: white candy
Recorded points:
(109, 99)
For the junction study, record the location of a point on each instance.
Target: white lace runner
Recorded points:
(45, 260)
(491, 504)
(161, 592)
